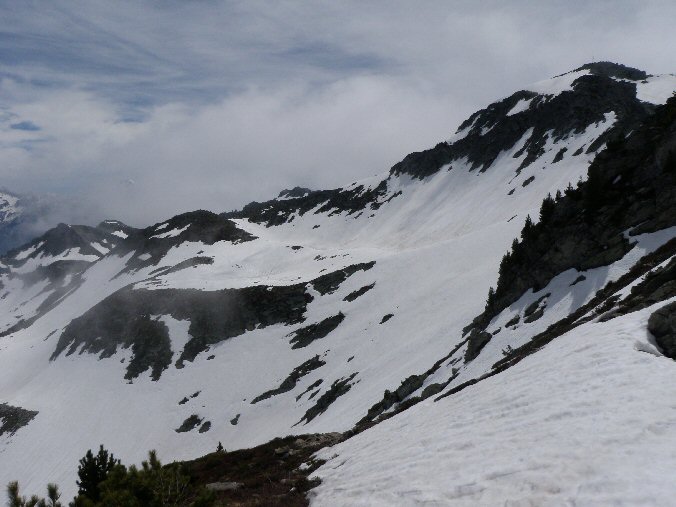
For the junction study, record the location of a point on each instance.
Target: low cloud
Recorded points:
(138, 111)
(219, 156)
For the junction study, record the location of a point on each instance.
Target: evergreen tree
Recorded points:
(504, 264)
(16, 500)
(593, 191)
(528, 227)
(547, 209)
(151, 485)
(569, 190)
(92, 471)
(53, 495)
(490, 300)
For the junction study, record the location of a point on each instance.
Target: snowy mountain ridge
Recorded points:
(25, 216)
(323, 309)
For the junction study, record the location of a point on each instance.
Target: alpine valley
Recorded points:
(490, 322)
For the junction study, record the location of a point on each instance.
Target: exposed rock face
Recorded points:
(152, 243)
(295, 192)
(536, 309)
(359, 292)
(338, 388)
(401, 397)
(58, 258)
(658, 285)
(329, 283)
(151, 345)
(631, 190)
(615, 70)
(122, 320)
(306, 335)
(662, 325)
(64, 238)
(189, 424)
(386, 318)
(311, 388)
(56, 275)
(14, 418)
(477, 340)
(290, 382)
(350, 200)
(570, 111)
(631, 187)
(390, 398)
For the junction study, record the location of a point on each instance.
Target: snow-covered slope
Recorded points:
(557, 396)
(586, 421)
(297, 314)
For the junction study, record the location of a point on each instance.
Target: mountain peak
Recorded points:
(557, 108)
(294, 192)
(612, 69)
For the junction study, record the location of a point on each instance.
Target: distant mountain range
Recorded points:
(489, 321)
(26, 216)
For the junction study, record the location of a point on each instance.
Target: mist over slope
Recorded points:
(26, 216)
(321, 310)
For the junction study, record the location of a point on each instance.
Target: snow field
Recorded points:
(585, 421)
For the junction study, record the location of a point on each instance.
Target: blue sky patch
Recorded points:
(28, 126)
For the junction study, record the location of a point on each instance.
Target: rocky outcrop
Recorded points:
(491, 131)
(630, 191)
(189, 424)
(659, 284)
(476, 341)
(400, 399)
(62, 239)
(631, 187)
(152, 243)
(359, 292)
(122, 320)
(386, 318)
(329, 283)
(337, 389)
(188, 263)
(351, 201)
(662, 325)
(306, 335)
(536, 309)
(14, 418)
(289, 383)
(294, 192)
(390, 398)
(151, 347)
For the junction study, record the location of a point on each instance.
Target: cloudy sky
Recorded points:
(142, 109)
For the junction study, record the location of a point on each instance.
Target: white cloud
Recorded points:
(236, 100)
(220, 156)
